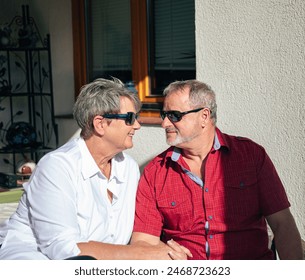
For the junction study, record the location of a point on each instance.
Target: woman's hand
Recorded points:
(178, 252)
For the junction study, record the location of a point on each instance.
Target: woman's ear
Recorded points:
(99, 124)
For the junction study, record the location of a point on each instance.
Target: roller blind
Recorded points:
(174, 32)
(110, 35)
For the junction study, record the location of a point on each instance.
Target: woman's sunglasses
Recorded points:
(176, 116)
(129, 117)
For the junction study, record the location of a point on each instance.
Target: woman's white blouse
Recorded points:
(65, 202)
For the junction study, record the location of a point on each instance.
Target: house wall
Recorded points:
(250, 52)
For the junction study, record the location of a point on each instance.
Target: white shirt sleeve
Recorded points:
(53, 212)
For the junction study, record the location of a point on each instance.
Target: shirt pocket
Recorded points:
(177, 213)
(241, 197)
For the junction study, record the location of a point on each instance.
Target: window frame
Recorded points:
(140, 71)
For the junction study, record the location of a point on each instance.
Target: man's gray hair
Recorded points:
(201, 95)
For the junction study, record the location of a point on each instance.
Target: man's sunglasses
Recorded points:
(129, 117)
(176, 116)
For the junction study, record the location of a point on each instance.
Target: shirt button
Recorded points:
(211, 236)
(210, 217)
(206, 190)
(173, 203)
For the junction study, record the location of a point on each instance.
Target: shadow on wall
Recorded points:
(143, 165)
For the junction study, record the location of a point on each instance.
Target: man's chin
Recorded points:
(172, 142)
(169, 140)
(178, 141)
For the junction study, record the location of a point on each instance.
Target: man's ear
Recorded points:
(99, 124)
(206, 116)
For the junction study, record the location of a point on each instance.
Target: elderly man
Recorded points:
(211, 192)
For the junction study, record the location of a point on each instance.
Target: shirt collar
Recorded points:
(89, 167)
(117, 168)
(219, 142)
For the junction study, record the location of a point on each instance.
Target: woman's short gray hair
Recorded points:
(98, 98)
(201, 95)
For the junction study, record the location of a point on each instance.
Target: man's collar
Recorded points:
(219, 142)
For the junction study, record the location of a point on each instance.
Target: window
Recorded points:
(109, 46)
(148, 42)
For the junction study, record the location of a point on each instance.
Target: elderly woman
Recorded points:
(80, 199)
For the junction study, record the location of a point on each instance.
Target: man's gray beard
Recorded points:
(179, 140)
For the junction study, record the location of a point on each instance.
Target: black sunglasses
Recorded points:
(129, 117)
(176, 116)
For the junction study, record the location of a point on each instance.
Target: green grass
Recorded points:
(10, 196)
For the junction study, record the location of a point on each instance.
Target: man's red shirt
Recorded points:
(224, 214)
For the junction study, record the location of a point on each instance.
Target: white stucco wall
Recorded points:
(252, 53)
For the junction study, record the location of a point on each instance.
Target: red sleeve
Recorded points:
(147, 217)
(272, 192)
